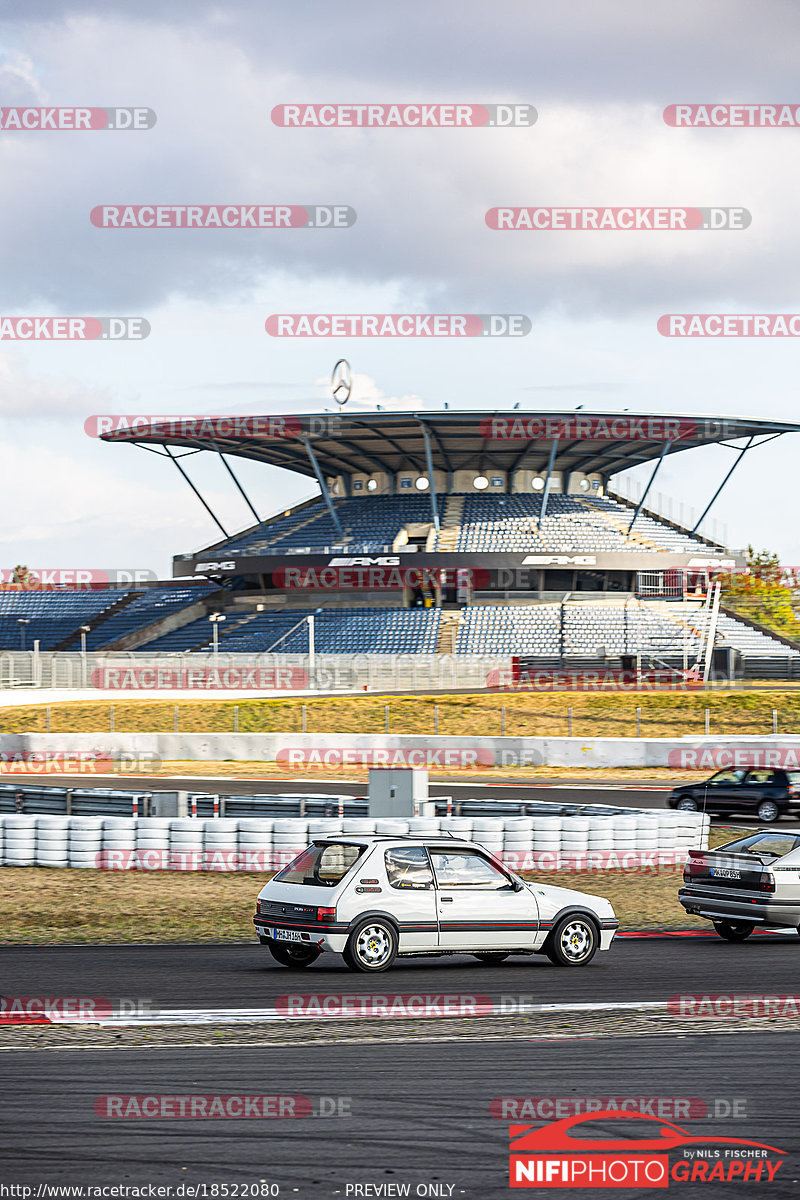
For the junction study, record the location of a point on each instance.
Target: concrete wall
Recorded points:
(295, 750)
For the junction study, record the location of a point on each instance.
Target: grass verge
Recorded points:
(42, 906)
(525, 714)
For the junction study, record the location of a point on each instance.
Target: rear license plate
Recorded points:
(725, 873)
(287, 935)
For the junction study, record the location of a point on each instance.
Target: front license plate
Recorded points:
(725, 873)
(287, 935)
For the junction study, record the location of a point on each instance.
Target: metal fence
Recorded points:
(58, 801)
(137, 672)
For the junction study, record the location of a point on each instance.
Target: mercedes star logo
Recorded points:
(341, 381)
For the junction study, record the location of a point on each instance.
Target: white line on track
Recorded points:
(242, 1016)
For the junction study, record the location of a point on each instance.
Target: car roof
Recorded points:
(402, 839)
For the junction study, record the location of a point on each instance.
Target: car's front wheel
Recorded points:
(492, 958)
(372, 946)
(687, 804)
(734, 931)
(573, 942)
(768, 811)
(292, 956)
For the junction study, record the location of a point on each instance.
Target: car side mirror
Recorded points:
(518, 885)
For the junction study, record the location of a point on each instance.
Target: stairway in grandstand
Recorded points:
(123, 600)
(450, 530)
(448, 633)
(619, 524)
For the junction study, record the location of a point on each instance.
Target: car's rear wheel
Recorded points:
(687, 804)
(293, 956)
(372, 946)
(492, 957)
(573, 942)
(734, 931)
(768, 811)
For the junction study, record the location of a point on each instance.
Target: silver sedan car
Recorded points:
(752, 882)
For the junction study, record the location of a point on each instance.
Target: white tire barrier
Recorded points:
(260, 845)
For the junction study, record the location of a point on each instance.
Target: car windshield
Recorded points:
(725, 777)
(774, 844)
(321, 865)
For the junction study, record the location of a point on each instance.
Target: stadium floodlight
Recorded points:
(23, 623)
(422, 484)
(215, 619)
(538, 483)
(480, 482)
(372, 485)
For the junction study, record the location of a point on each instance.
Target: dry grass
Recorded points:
(663, 714)
(46, 907)
(354, 774)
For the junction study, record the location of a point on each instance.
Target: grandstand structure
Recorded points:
(451, 533)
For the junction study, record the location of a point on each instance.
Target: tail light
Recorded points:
(766, 882)
(697, 864)
(326, 914)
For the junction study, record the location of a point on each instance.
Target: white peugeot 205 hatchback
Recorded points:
(373, 898)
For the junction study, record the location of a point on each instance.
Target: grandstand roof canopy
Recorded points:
(364, 442)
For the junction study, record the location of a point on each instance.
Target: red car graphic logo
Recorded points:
(551, 1156)
(556, 1137)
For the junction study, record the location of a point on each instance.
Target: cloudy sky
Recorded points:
(599, 75)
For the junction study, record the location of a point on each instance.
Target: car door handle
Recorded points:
(446, 899)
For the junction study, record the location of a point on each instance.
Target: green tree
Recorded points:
(765, 595)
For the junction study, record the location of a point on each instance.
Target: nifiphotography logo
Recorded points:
(578, 1152)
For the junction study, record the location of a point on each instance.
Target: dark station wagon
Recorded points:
(765, 792)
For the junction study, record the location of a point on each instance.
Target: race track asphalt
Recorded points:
(213, 976)
(420, 1112)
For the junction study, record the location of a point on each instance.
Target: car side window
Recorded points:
(774, 843)
(408, 867)
(726, 777)
(761, 777)
(464, 869)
